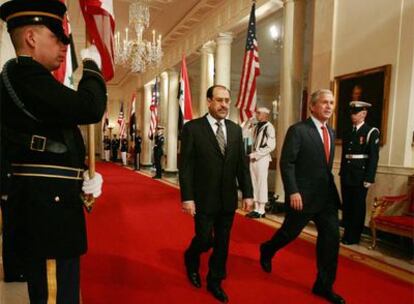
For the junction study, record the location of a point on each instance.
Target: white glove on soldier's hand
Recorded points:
(92, 186)
(92, 53)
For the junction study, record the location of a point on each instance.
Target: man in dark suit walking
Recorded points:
(212, 164)
(311, 194)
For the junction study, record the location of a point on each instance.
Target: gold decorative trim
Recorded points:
(47, 166)
(47, 175)
(51, 281)
(34, 14)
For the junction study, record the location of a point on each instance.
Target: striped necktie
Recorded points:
(220, 137)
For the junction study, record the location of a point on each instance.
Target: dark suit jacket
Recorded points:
(304, 167)
(208, 177)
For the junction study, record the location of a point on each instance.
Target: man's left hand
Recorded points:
(92, 185)
(247, 204)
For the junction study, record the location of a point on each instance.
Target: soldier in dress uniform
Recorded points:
(124, 150)
(107, 147)
(158, 151)
(360, 153)
(264, 142)
(114, 148)
(44, 148)
(137, 150)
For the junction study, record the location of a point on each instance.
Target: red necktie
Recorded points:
(325, 142)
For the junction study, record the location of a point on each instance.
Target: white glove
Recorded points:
(367, 185)
(92, 53)
(92, 186)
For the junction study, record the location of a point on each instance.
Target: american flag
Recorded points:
(121, 122)
(154, 110)
(246, 101)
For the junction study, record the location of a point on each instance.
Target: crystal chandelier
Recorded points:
(137, 53)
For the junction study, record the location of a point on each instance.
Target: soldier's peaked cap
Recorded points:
(50, 13)
(357, 106)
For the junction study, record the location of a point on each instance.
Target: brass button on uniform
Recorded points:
(57, 199)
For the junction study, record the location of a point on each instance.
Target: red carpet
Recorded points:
(137, 236)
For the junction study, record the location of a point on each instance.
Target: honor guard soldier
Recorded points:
(43, 148)
(137, 150)
(360, 153)
(264, 142)
(158, 151)
(114, 148)
(107, 147)
(124, 150)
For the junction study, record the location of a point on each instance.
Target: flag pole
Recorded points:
(89, 200)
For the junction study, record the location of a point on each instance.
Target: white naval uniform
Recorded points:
(264, 142)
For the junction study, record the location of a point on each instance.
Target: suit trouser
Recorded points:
(210, 231)
(327, 244)
(13, 265)
(259, 171)
(353, 211)
(53, 281)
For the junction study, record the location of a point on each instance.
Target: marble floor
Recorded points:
(384, 257)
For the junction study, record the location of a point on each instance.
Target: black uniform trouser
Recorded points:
(53, 280)
(157, 161)
(136, 161)
(114, 155)
(327, 244)
(210, 231)
(353, 211)
(13, 265)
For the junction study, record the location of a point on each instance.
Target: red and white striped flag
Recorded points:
(184, 97)
(132, 119)
(154, 110)
(246, 100)
(100, 23)
(64, 73)
(121, 122)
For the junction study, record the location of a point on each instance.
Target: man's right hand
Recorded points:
(188, 207)
(296, 201)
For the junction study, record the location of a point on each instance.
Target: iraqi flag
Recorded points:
(184, 95)
(64, 73)
(100, 24)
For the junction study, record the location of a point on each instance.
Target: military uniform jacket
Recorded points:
(355, 171)
(107, 144)
(47, 213)
(138, 141)
(264, 141)
(159, 142)
(124, 145)
(206, 175)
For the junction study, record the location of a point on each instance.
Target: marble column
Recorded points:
(163, 108)
(172, 122)
(146, 148)
(222, 65)
(291, 75)
(206, 74)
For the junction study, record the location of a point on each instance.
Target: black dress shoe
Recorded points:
(329, 296)
(265, 261)
(194, 278)
(346, 242)
(15, 278)
(218, 293)
(156, 177)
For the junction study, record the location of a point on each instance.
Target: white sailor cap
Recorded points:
(357, 106)
(263, 110)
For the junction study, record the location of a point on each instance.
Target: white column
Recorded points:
(163, 99)
(146, 150)
(172, 122)
(291, 75)
(206, 74)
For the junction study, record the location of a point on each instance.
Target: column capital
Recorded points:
(172, 72)
(164, 75)
(285, 2)
(208, 48)
(224, 38)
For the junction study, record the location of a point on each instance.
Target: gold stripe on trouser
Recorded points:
(51, 281)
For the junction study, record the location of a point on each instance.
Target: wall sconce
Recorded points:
(276, 35)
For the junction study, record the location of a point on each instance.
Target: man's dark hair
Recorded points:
(211, 89)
